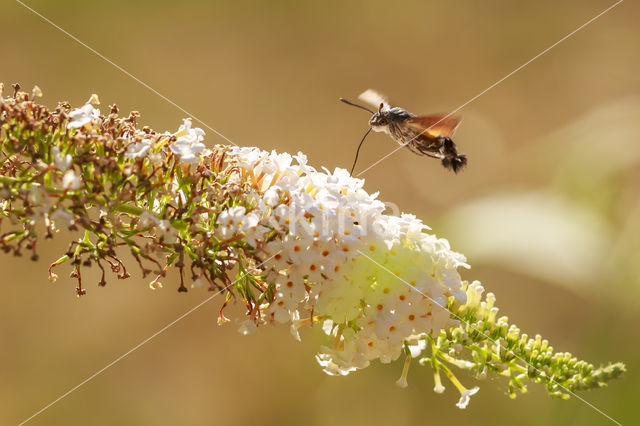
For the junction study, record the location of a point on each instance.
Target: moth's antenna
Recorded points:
(356, 105)
(358, 151)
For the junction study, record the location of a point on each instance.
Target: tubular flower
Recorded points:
(296, 245)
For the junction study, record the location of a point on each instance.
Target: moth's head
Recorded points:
(380, 120)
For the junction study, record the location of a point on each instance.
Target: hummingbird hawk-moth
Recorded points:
(428, 135)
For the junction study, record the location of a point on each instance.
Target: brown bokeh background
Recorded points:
(548, 211)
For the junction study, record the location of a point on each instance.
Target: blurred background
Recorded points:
(547, 212)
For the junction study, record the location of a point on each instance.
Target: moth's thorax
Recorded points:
(397, 114)
(381, 120)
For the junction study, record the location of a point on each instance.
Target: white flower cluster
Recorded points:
(377, 281)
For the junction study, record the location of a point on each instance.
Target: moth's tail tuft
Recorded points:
(452, 160)
(455, 163)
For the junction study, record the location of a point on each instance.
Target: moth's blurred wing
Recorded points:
(435, 125)
(374, 98)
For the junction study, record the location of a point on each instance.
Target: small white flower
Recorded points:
(197, 283)
(416, 347)
(147, 220)
(255, 233)
(281, 314)
(465, 396)
(38, 215)
(302, 161)
(247, 327)
(402, 382)
(155, 285)
(247, 157)
(70, 181)
(189, 144)
(236, 219)
(270, 199)
(280, 162)
(62, 219)
(38, 196)
(138, 149)
(222, 320)
(168, 233)
(36, 92)
(83, 116)
(40, 203)
(331, 368)
(61, 162)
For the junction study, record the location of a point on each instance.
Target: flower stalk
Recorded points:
(295, 245)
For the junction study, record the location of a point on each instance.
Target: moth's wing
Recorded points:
(435, 125)
(374, 98)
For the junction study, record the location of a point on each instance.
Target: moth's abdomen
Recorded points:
(419, 143)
